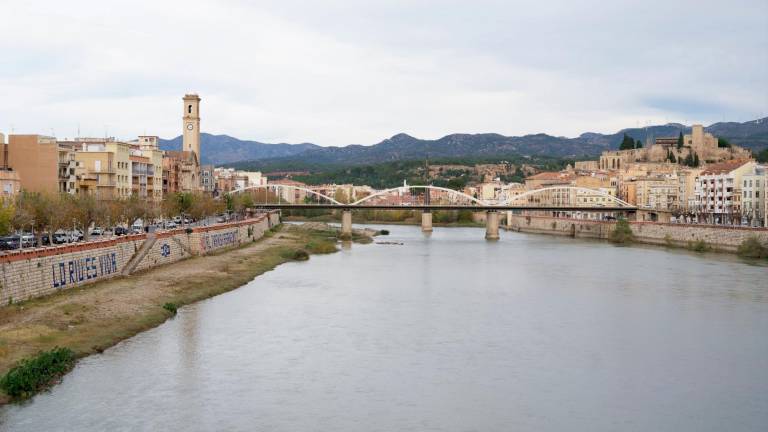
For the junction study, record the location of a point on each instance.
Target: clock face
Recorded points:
(190, 126)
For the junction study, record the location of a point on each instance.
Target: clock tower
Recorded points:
(191, 124)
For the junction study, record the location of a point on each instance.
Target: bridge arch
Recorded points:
(575, 189)
(280, 187)
(425, 187)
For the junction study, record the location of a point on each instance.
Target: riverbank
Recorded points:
(693, 237)
(89, 319)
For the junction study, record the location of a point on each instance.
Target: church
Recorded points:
(181, 168)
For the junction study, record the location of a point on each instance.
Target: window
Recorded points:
(189, 109)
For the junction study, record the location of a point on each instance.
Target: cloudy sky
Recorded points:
(342, 72)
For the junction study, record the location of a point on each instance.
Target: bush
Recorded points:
(622, 233)
(384, 232)
(295, 254)
(699, 246)
(171, 307)
(752, 248)
(29, 376)
(321, 246)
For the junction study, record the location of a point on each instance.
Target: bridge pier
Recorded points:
(426, 221)
(346, 224)
(492, 225)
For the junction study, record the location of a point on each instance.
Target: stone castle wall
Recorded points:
(719, 238)
(42, 271)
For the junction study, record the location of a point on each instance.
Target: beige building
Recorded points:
(191, 124)
(36, 160)
(103, 168)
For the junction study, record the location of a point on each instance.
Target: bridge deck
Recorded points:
(440, 207)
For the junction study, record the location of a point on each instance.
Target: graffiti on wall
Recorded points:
(74, 271)
(218, 240)
(165, 250)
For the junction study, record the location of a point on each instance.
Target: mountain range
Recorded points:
(227, 150)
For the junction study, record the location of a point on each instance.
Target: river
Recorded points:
(444, 333)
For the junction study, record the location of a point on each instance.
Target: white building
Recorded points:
(718, 192)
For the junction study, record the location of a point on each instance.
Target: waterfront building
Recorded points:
(35, 158)
(147, 146)
(103, 168)
(10, 183)
(718, 191)
(753, 196)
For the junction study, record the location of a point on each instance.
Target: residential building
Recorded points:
(180, 172)
(207, 181)
(10, 183)
(36, 160)
(753, 196)
(718, 191)
(147, 146)
(103, 168)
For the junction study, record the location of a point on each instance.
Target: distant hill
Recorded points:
(223, 149)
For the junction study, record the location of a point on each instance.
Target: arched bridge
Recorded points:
(560, 199)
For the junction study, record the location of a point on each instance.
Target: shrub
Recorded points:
(622, 233)
(171, 307)
(321, 246)
(384, 232)
(699, 246)
(752, 248)
(29, 376)
(295, 254)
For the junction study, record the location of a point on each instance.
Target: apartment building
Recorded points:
(103, 168)
(147, 146)
(10, 183)
(718, 191)
(36, 160)
(753, 202)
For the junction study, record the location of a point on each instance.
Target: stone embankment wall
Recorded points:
(38, 272)
(725, 239)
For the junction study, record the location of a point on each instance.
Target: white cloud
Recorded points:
(341, 72)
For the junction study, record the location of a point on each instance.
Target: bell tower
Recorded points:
(191, 124)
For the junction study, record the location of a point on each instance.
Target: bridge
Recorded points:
(559, 199)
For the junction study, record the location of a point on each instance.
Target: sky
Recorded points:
(356, 72)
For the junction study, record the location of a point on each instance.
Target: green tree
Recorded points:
(622, 233)
(680, 140)
(7, 212)
(627, 143)
(672, 157)
(696, 161)
(688, 161)
(723, 143)
(638, 144)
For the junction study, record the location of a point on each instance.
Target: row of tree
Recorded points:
(50, 212)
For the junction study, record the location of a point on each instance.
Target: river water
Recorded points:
(444, 333)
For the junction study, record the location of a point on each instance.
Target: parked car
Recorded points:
(97, 231)
(170, 225)
(9, 243)
(120, 231)
(60, 237)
